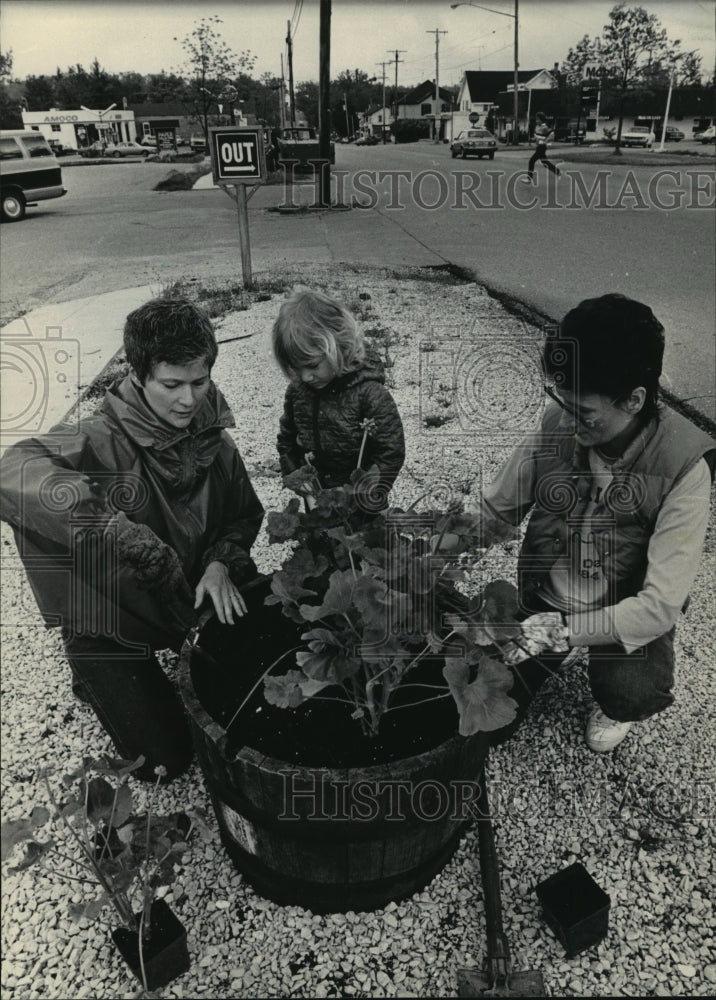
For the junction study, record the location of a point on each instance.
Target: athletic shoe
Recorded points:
(603, 733)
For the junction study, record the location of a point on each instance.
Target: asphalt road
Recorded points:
(599, 228)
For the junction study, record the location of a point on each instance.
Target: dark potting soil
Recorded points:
(320, 733)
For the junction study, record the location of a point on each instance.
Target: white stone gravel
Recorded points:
(639, 819)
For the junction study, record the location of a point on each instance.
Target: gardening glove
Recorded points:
(154, 566)
(545, 631)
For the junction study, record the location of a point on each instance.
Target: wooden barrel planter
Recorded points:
(333, 838)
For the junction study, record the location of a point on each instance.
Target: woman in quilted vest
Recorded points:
(617, 486)
(338, 414)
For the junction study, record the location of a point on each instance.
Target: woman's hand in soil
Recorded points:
(217, 583)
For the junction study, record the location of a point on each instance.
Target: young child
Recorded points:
(337, 385)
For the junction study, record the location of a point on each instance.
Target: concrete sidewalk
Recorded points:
(51, 355)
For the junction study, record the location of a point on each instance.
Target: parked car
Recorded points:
(638, 135)
(148, 141)
(569, 130)
(708, 135)
(59, 148)
(94, 149)
(367, 140)
(474, 142)
(125, 148)
(198, 143)
(29, 173)
(673, 134)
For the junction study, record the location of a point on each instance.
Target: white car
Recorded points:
(477, 142)
(638, 135)
(129, 148)
(708, 135)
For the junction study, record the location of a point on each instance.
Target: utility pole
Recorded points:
(516, 128)
(290, 74)
(345, 105)
(282, 98)
(438, 120)
(324, 96)
(396, 60)
(383, 106)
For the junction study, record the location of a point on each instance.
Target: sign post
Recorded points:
(237, 159)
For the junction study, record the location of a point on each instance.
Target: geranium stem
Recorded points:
(362, 447)
(266, 671)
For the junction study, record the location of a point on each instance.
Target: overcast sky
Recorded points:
(140, 34)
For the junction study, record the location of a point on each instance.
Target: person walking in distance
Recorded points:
(544, 134)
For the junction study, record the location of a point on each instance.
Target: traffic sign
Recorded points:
(474, 118)
(237, 155)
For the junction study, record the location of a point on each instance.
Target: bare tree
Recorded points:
(210, 66)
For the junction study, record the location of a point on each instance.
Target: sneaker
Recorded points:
(603, 733)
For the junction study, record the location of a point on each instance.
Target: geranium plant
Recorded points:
(377, 594)
(97, 838)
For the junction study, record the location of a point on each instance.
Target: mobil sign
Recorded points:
(237, 154)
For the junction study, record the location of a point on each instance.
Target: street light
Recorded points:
(668, 100)
(516, 111)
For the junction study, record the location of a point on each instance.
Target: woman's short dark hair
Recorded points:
(608, 345)
(174, 331)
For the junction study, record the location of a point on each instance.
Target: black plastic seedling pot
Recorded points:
(575, 907)
(164, 953)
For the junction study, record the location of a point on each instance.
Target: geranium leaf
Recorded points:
(331, 664)
(124, 806)
(337, 599)
(100, 797)
(501, 601)
(283, 525)
(34, 851)
(284, 691)
(287, 590)
(483, 703)
(89, 910)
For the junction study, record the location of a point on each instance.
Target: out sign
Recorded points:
(237, 155)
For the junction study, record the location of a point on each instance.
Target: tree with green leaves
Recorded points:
(166, 88)
(586, 51)
(39, 93)
(210, 66)
(632, 42)
(10, 116)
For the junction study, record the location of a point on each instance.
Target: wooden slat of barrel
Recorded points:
(366, 857)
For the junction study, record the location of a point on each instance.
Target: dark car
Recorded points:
(367, 140)
(477, 142)
(569, 130)
(673, 134)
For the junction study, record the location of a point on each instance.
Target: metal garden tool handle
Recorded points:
(498, 949)
(498, 979)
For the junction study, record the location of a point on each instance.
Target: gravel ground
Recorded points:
(638, 818)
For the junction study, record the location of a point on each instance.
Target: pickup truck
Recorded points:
(298, 144)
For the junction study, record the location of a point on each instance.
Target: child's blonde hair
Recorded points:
(312, 327)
